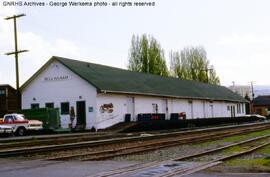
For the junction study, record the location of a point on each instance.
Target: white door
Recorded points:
(131, 107)
(190, 105)
(165, 108)
(204, 110)
(212, 110)
(232, 111)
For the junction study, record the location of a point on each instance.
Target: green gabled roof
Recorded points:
(115, 80)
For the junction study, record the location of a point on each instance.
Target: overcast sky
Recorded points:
(235, 34)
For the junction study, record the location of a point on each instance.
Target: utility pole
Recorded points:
(233, 84)
(252, 91)
(252, 99)
(16, 53)
(206, 71)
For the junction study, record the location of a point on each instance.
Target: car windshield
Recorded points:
(20, 117)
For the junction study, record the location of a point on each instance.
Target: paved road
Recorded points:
(13, 168)
(36, 168)
(229, 175)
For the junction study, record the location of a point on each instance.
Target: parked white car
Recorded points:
(255, 115)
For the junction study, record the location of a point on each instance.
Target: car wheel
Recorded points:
(21, 131)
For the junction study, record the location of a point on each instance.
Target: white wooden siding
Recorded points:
(70, 90)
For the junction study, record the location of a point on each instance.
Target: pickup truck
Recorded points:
(6, 130)
(19, 124)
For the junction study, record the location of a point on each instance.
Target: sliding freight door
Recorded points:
(131, 108)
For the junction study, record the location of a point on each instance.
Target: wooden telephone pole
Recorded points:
(206, 71)
(16, 53)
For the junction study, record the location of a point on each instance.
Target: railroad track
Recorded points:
(160, 139)
(148, 146)
(176, 166)
(79, 137)
(63, 140)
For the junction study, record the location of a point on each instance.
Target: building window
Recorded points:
(34, 106)
(228, 108)
(2, 92)
(155, 108)
(49, 105)
(65, 108)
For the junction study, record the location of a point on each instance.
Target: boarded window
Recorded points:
(34, 106)
(49, 105)
(65, 108)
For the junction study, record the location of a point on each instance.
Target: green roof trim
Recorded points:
(114, 80)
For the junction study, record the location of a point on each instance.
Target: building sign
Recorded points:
(57, 78)
(90, 109)
(106, 108)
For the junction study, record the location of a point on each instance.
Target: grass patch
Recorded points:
(265, 150)
(250, 162)
(259, 161)
(233, 138)
(233, 150)
(248, 165)
(34, 138)
(249, 135)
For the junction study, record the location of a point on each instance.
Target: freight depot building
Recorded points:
(103, 95)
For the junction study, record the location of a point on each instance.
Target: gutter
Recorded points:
(170, 96)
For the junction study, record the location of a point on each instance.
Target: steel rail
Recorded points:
(212, 163)
(139, 167)
(106, 154)
(46, 138)
(62, 140)
(42, 149)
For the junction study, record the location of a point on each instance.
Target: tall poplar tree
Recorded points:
(192, 64)
(146, 55)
